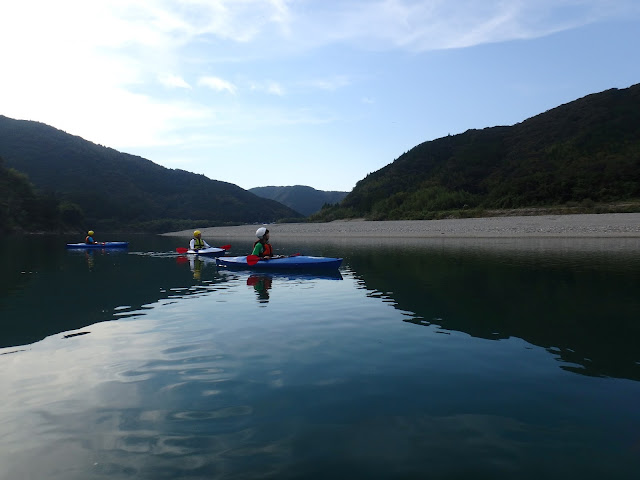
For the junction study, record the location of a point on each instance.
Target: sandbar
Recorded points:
(607, 225)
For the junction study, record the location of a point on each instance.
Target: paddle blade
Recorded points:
(252, 259)
(182, 250)
(225, 247)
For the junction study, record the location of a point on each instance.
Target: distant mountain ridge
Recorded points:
(580, 153)
(116, 190)
(303, 199)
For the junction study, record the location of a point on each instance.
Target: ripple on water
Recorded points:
(227, 412)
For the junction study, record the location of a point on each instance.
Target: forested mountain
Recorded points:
(118, 191)
(303, 199)
(22, 209)
(581, 153)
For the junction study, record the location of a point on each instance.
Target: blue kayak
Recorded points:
(99, 245)
(299, 262)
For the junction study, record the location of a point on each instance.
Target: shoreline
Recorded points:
(605, 225)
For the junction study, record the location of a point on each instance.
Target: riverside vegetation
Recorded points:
(581, 157)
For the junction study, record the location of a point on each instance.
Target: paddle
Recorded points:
(185, 250)
(253, 259)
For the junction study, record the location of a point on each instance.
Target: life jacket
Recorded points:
(267, 251)
(87, 240)
(198, 243)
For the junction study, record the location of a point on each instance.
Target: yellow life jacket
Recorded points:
(198, 243)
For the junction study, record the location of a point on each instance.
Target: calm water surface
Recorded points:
(418, 359)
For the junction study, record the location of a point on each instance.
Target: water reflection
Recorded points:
(90, 255)
(261, 284)
(75, 289)
(582, 307)
(577, 298)
(197, 264)
(197, 379)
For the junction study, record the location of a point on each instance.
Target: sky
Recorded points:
(303, 92)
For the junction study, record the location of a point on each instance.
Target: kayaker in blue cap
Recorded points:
(262, 247)
(196, 242)
(89, 238)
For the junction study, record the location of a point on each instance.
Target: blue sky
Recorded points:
(303, 92)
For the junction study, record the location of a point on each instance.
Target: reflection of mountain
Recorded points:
(83, 288)
(587, 315)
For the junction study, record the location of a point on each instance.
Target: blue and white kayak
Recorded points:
(298, 262)
(99, 245)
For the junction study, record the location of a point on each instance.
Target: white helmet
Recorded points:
(261, 232)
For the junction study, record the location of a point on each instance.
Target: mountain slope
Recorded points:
(303, 199)
(116, 189)
(585, 151)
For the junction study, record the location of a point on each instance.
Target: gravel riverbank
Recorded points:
(611, 225)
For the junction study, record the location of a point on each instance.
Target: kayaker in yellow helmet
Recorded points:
(89, 238)
(197, 242)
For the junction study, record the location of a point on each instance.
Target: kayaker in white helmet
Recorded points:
(262, 247)
(197, 242)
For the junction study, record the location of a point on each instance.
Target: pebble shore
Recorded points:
(609, 225)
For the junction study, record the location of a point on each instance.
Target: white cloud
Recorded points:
(275, 89)
(270, 87)
(333, 83)
(419, 25)
(173, 81)
(217, 84)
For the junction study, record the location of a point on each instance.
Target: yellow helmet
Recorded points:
(196, 233)
(90, 232)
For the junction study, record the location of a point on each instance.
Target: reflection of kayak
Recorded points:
(299, 262)
(209, 252)
(99, 245)
(296, 276)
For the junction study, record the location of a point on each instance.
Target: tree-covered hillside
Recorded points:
(119, 191)
(22, 209)
(580, 153)
(303, 199)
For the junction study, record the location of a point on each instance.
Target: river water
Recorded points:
(496, 358)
